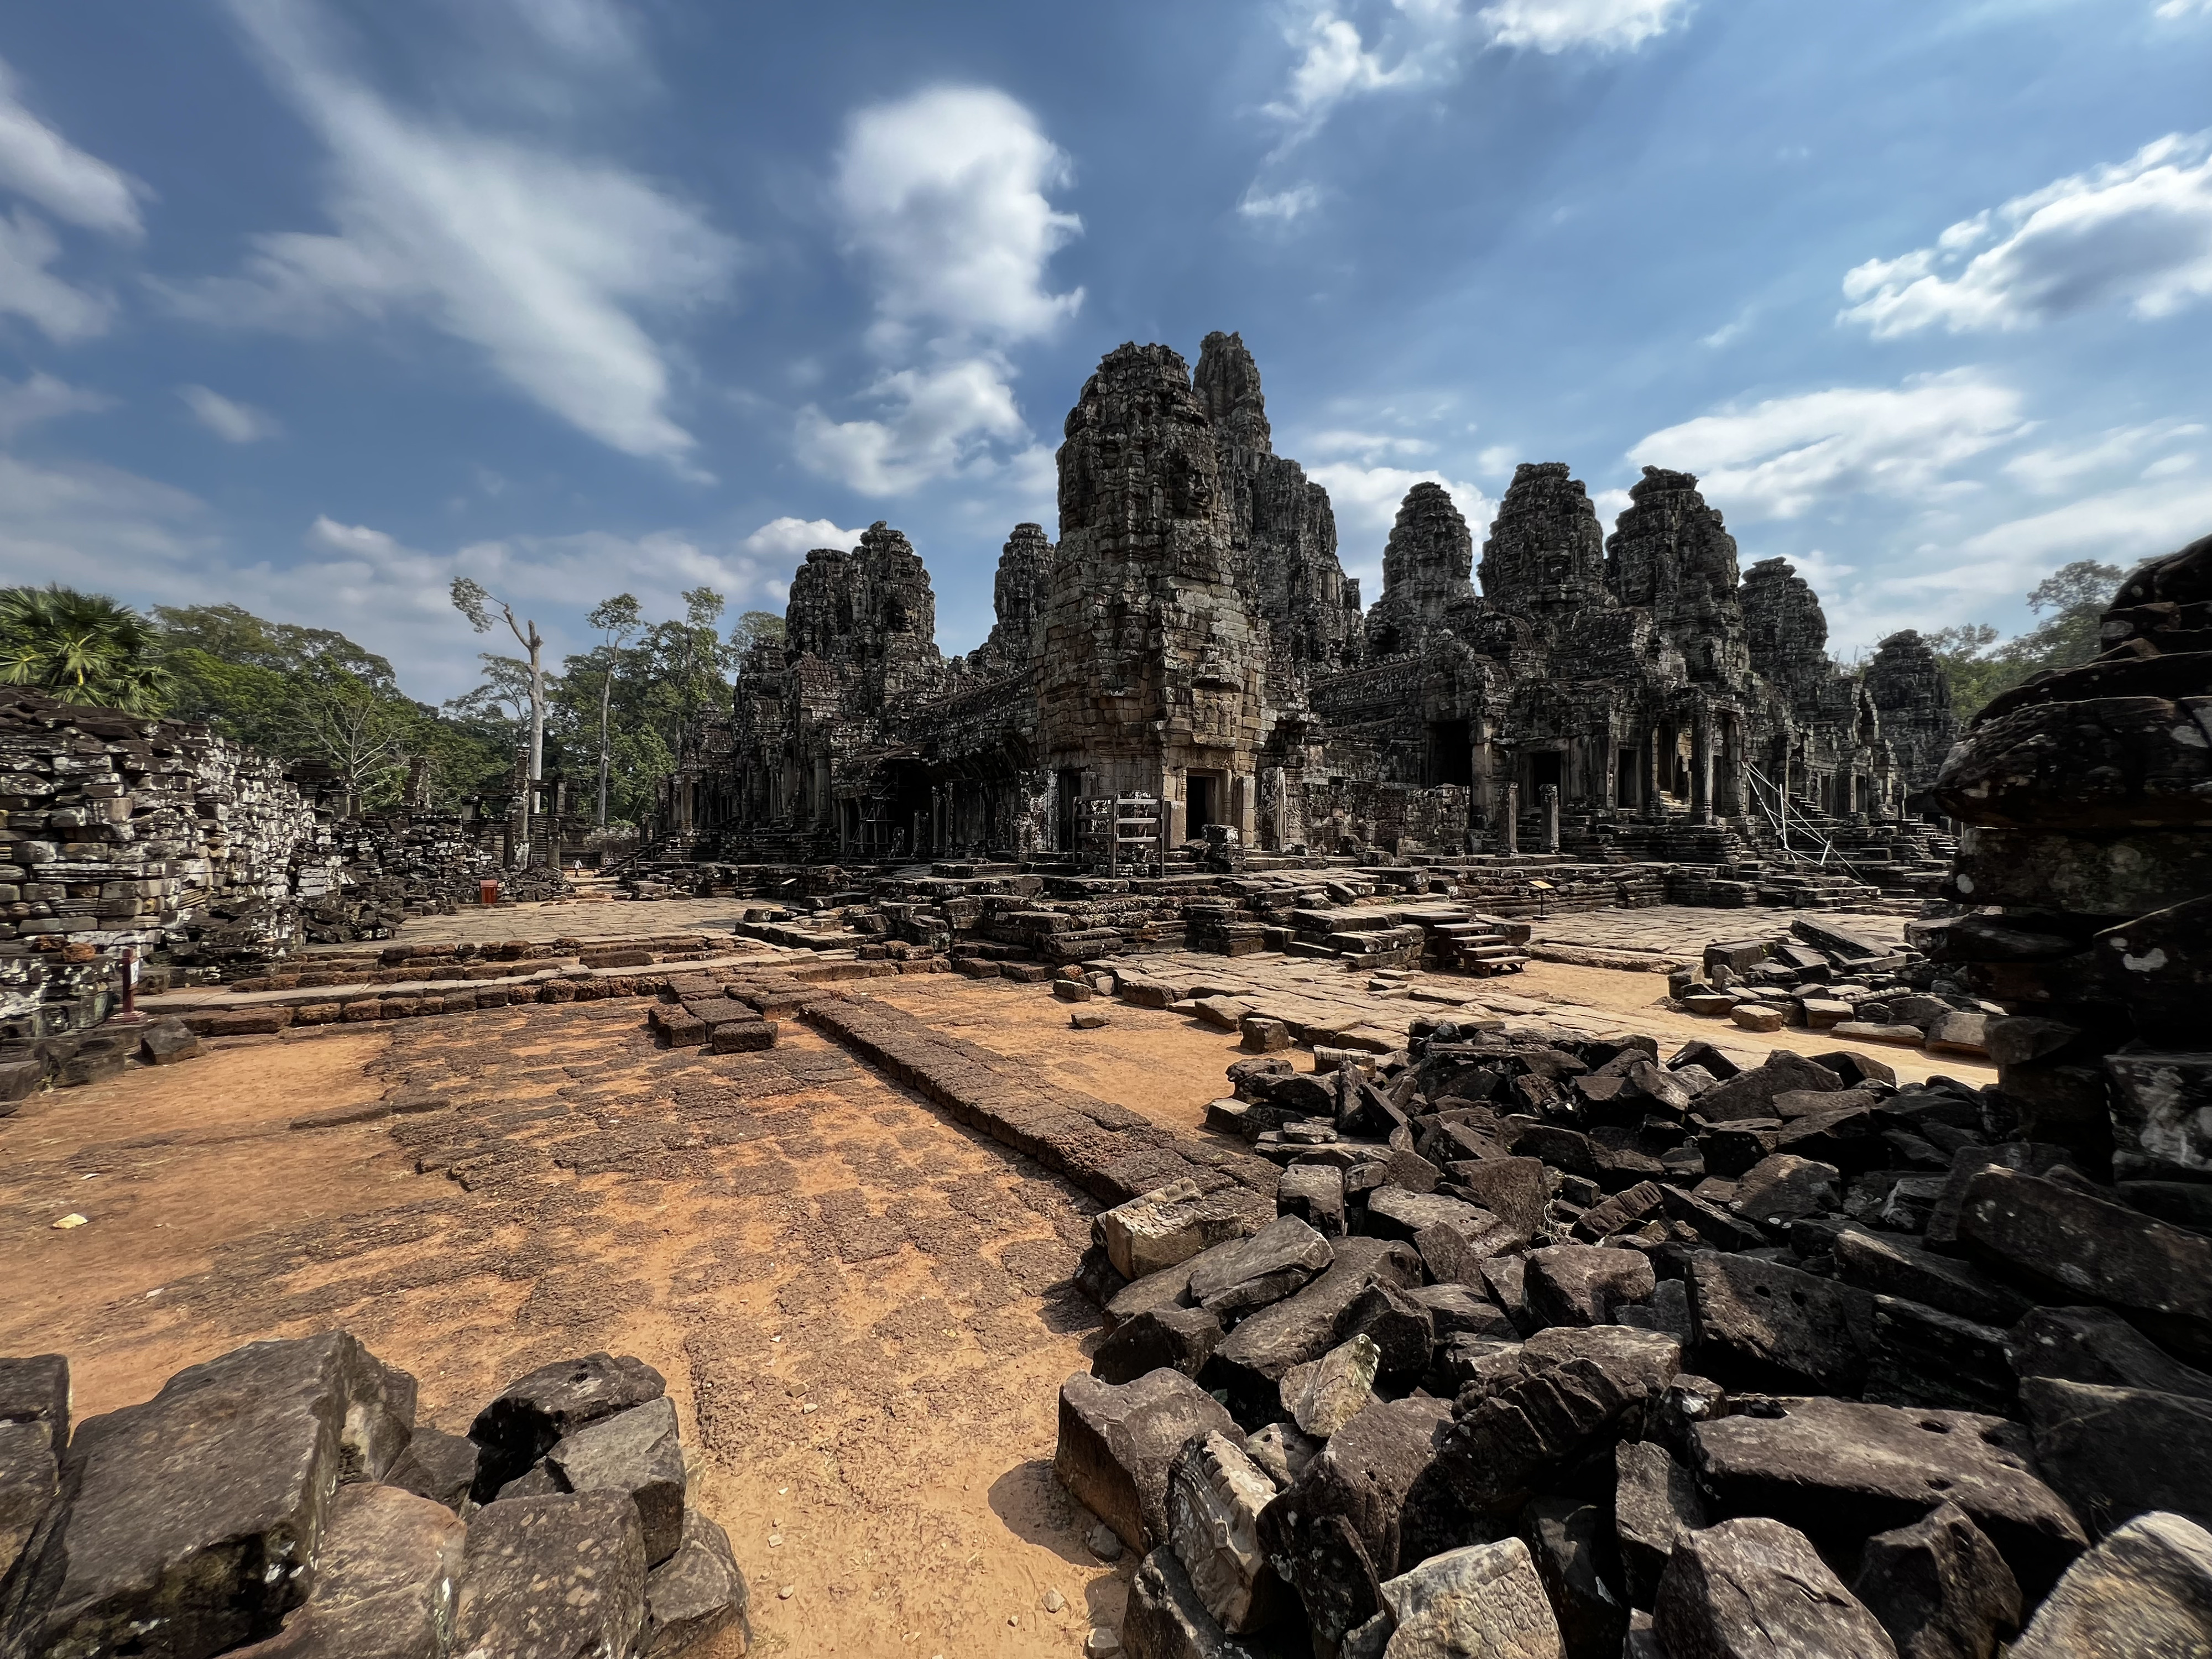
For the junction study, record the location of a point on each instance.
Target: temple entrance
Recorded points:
(1451, 754)
(1547, 767)
(1625, 779)
(1202, 802)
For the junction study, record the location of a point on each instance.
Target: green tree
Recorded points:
(756, 627)
(83, 648)
(1981, 666)
(616, 620)
(473, 601)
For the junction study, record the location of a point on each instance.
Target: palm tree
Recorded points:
(83, 648)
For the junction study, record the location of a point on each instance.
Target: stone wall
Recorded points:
(2087, 864)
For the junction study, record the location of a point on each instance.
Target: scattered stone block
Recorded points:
(549, 1577)
(1583, 1284)
(1215, 1494)
(1171, 1224)
(1486, 1599)
(534, 1412)
(1264, 1036)
(1117, 1441)
(1324, 1394)
(636, 1452)
(1568, 1540)
(2114, 1454)
(1178, 1338)
(386, 1576)
(1654, 1502)
(695, 1595)
(438, 1465)
(1939, 1588)
(1755, 1589)
(2147, 1590)
(1235, 1278)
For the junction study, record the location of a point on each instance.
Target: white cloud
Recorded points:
(2057, 468)
(1367, 445)
(1554, 25)
(2177, 9)
(1782, 456)
(787, 538)
(98, 527)
(1366, 500)
(1426, 43)
(28, 289)
(943, 195)
(37, 162)
(42, 397)
(232, 423)
(2137, 234)
(1283, 206)
(939, 422)
(545, 262)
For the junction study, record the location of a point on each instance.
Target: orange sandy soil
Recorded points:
(852, 1298)
(860, 1307)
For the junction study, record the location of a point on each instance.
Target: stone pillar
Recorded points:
(1550, 796)
(1731, 768)
(1509, 830)
(1701, 769)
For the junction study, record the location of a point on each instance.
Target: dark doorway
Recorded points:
(1451, 757)
(1549, 766)
(1623, 788)
(1070, 784)
(1202, 802)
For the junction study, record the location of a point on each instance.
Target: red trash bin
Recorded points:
(488, 890)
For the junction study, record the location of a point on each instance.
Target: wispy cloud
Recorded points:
(37, 162)
(1281, 206)
(1425, 43)
(787, 538)
(2137, 234)
(551, 263)
(945, 196)
(1783, 457)
(232, 422)
(27, 403)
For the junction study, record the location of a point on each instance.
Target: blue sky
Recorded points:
(311, 306)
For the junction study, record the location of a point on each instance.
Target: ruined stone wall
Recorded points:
(122, 833)
(1670, 551)
(1426, 564)
(1912, 694)
(1154, 659)
(2087, 861)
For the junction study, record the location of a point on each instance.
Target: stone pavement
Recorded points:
(1686, 930)
(576, 918)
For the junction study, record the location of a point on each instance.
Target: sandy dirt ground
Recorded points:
(852, 1298)
(860, 1307)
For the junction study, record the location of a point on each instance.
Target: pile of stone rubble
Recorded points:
(1548, 1347)
(1823, 976)
(281, 1502)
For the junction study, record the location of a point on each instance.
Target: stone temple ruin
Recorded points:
(1192, 642)
(1463, 1323)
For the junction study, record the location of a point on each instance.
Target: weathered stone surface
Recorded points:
(197, 1511)
(1116, 1441)
(1327, 1393)
(1841, 1469)
(1171, 1224)
(1751, 1094)
(520, 1425)
(2085, 1245)
(2146, 1590)
(2092, 875)
(1164, 1619)
(1885, 1264)
(695, 1595)
(1940, 1588)
(1215, 1494)
(1402, 1329)
(1252, 1358)
(1755, 1589)
(1396, 1213)
(1759, 1323)
(1233, 1279)
(2114, 762)
(1282, 1451)
(1655, 1501)
(1779, 1189)
(1502, 1447)
(436, 1465)
(2114, 1454)
(1584, 1284)
(1168, 1288)
(30, 1477)
(1568, 1541)
(1919, 1356)
(1314, 1193)
(2161, 1105)
(1179, 1338)
(2096, 1345)
(386, 1577)
(1342, 1528)
(1481, 1599)
(552, 1578)
(637, 1452)
(1456, 1309)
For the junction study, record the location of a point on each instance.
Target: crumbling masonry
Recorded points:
(1192, 638)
